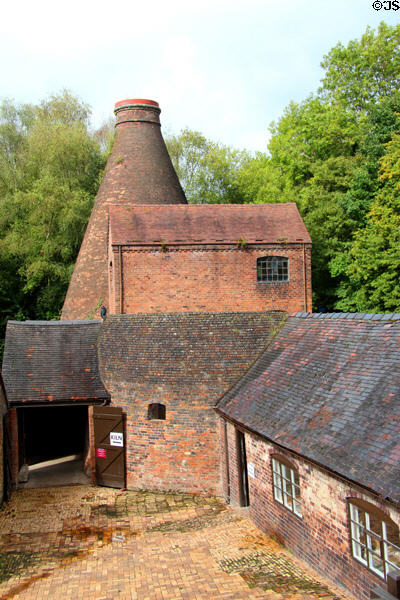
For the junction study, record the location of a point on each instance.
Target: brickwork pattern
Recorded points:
(211, 279)
(186, 362)
(321, 537)
(138, 171)
(317, 390)
(104, 544)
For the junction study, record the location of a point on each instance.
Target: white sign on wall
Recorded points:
(116, 439)
(250, 470)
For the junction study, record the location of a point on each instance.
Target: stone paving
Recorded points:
(85, 542)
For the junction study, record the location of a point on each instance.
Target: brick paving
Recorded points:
(84, 542)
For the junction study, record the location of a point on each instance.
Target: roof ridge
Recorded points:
(76, 322)
(349, 316)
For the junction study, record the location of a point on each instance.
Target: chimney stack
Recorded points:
(138, 171)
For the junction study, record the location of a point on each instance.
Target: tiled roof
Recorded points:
(328, 388)
(183, 351)
(52, 361)
(207, 223)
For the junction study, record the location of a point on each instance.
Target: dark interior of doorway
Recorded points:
(51, 432)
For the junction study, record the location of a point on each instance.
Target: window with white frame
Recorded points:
(374, 538)
(286, 484)
(272, 268)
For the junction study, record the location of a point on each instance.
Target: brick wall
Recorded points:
(185, 362)
(208, 279)
(178, 453)
(321, 537)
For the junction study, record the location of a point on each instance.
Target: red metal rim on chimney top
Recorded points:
(135, 101)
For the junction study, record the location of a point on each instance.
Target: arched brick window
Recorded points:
(286, 484)
(156, 411)
(272, 269)
(374, 537)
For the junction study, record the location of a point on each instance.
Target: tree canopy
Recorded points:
(331, 155)
(50, 168)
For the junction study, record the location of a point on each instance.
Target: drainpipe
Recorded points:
(304, 278)
(121, 303)
(228, 478)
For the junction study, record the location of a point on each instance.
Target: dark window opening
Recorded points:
(156, 411)
(272, 268)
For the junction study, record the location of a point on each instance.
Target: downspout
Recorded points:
(228, 478)
(304, 278)
(121, 303)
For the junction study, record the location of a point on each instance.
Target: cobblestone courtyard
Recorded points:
(84, 542)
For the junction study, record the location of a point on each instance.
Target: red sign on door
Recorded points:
(101, 452)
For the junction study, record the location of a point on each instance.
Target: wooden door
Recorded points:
(109, 446)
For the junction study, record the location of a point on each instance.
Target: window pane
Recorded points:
(373, 543)
(272, 268)
(393, 556)
(374, 524)
(275, 466)
(391, 533)
(287, 500)
(278, 487)
(297, 508)
(376, 563)
(359, 551)
(286, 486)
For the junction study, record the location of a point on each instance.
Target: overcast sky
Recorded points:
(225, 68)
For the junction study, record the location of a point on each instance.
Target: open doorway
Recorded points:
(53, 445)
(242, 465)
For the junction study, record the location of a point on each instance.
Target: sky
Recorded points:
(224, 68)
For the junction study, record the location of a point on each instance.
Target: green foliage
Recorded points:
(373, 260)
(207, 170)
(50, 168)
(365, 71)
(325, 154)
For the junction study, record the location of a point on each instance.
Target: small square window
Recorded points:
(156, 411)
(272, 268)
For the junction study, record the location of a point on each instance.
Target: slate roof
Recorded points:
(207, 223)
(200, 351)
(328, 388)
(52, 362)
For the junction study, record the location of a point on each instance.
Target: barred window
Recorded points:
(286, 485)
(374, 538)
(156, 411)
(272, 268)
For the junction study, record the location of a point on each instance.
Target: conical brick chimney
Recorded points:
(138, 171)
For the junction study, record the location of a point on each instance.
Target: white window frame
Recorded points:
(286, 488)
(363, 538)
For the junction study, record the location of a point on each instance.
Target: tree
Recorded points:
(365, 71)
(55, 163)
(373, 262)
(207, 170)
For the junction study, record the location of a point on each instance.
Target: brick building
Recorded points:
(52, 379)
(195, 380)
(310, 439)
(212, 258)
(146, 250)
